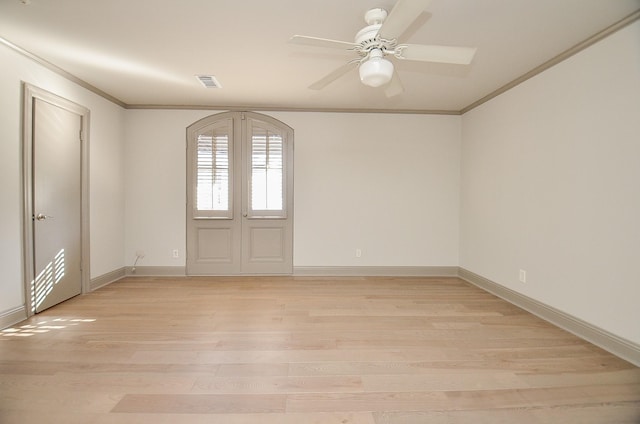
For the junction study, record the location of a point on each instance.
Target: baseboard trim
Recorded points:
(376, 271)
(156, 271)
(318, 271)
(12, 316)
(619, 346)
(106, 279)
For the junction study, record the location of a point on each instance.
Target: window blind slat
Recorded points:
(266, 171)
(212, 171)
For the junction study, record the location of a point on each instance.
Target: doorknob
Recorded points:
(42, 217)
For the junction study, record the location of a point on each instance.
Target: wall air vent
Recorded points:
(209, 81)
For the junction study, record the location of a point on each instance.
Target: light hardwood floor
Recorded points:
(304, 350)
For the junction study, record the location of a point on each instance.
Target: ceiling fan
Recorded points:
(378, 40)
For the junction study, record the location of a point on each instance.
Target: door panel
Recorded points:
(212, 245)
(265, 244)
(246, 158)
(215, 245)
(266, 247)
(56, 205)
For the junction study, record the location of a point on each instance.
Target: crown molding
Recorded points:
(245, 108)
(532, 73)
(556, 60)
(58, 70)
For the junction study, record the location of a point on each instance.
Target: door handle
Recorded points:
(42, 217)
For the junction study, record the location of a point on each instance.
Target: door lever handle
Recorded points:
(42, 217)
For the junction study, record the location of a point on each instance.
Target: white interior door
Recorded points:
(56, 218)
(239, 195)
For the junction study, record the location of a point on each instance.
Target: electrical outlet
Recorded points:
(358, 253)
(140, 254)
(175, 253)
(523, 276)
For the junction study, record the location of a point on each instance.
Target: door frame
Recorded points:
(30, 93)
(240, 147)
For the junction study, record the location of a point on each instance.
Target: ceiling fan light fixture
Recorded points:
(378, 39)
(376, 71)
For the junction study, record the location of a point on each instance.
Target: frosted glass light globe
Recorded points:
(376, 70)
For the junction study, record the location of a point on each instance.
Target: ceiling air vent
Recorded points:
(209, 81)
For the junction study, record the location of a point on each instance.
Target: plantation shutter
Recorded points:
(213, 192)
(267, 177)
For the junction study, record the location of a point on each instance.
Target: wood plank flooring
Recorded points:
(304, 350)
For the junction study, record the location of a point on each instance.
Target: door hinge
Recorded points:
(242, 116)
(81, 135)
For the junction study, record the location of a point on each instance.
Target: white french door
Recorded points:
(239, 195)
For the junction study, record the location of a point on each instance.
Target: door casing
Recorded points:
(30, 93)
(223, 246)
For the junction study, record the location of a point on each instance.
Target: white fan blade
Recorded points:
(319, 85)
(320, 42)
(441, 54)
(401, 16)
(394, 87)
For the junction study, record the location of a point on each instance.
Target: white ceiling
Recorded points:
(146, 52)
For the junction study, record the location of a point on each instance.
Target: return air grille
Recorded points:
(209, 81)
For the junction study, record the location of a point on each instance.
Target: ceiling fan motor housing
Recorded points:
(367, 38)
(367, 33)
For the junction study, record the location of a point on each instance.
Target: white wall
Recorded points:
(551, 185)
(155, 162)
(106, 172)
(387, 184)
